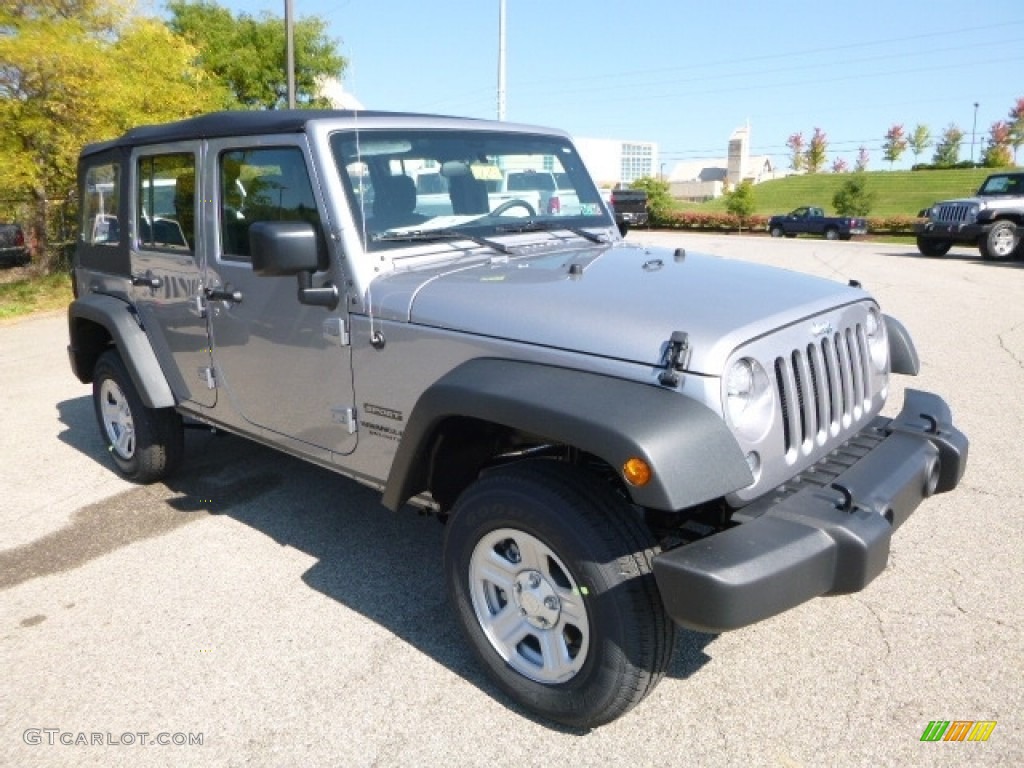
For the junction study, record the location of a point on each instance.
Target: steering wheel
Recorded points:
(514, 203)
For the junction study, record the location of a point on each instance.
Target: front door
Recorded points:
(283, 365)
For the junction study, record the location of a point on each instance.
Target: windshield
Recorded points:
(481, 183)
(1011, 184)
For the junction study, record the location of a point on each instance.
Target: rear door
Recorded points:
(167, 266)
(283, 365)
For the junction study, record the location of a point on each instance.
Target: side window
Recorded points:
(266, 184)
(100, 201)
(166, 203)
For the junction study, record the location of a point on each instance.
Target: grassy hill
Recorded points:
(897, 193)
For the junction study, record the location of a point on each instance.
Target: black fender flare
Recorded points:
(902, 352)
(122, 323)
(693, 455)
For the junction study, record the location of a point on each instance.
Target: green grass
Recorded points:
(897, 193)
(34, 294)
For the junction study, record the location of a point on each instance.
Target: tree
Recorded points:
(997, 154)
(248, 54)
(947, 150)
(853, 198)
(659, 201)
(920, 139)
(895, 144)
(863, 158)
(740, 201)
(815, 156)
(839, 166)
(795, 143)
(1017, 127)
(77, 71)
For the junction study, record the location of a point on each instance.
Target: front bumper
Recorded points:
(825, 532)
(965, 234)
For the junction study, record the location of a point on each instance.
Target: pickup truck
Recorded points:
(541, 189)
(813, 221)
(629, 207)
(620, 438)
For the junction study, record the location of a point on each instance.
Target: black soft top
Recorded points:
(240, 123)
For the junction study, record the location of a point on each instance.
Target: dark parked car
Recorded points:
(13, 250)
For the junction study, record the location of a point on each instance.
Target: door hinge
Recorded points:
(347, 418)
(335, 330)
(207, 376)
(199, 305)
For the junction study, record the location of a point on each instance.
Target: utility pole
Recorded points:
(501, 59)
(289, 34)
(974, 129)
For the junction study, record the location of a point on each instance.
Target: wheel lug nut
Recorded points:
(534, 580)
(551, 603)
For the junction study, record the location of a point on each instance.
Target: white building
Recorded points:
(708, 178)
(612, 161)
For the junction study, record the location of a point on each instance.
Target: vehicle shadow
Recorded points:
(386, 566)
(965, 255)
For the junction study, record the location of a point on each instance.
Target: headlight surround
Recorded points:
(749, 399)
(878, 341)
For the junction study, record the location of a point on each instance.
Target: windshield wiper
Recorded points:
(548, 226)
(427, 235)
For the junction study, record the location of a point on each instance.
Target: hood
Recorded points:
(619, 301)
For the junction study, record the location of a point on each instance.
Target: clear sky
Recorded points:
(686, 74)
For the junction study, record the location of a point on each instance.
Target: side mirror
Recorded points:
(282, 248)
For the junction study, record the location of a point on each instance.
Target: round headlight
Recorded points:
(749, 399)
(878, 342)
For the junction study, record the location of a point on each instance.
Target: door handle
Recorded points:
(222, 294)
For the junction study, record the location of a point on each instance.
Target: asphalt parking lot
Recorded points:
(279, 615)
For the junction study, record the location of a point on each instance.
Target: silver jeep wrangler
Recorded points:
(621, 439)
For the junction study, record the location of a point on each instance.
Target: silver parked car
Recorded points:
(621, 439)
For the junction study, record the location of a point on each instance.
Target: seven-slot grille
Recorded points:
(953, 213)
(823, 388)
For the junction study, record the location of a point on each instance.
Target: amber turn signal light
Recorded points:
(637, 471)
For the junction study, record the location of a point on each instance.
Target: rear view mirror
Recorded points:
(282, 248)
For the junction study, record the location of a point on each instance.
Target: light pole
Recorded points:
(501, 59)
(289, 36)
(974, 129)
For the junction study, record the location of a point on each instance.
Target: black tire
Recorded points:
(776, 231)
(1001, 242)
(831, 233)
(610, 637)
(931, 247)
(146, 444)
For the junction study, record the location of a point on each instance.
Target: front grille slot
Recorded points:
(953, 213)
(822, 388)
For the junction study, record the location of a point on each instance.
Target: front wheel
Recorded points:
(549, 572)
(1000, 243)
(776, 231)
(930, 247)
(145, 443)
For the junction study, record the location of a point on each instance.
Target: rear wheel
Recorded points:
(1001, 242)
(146, 444)
(549, 571)
(931, 247)
(831, 233)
